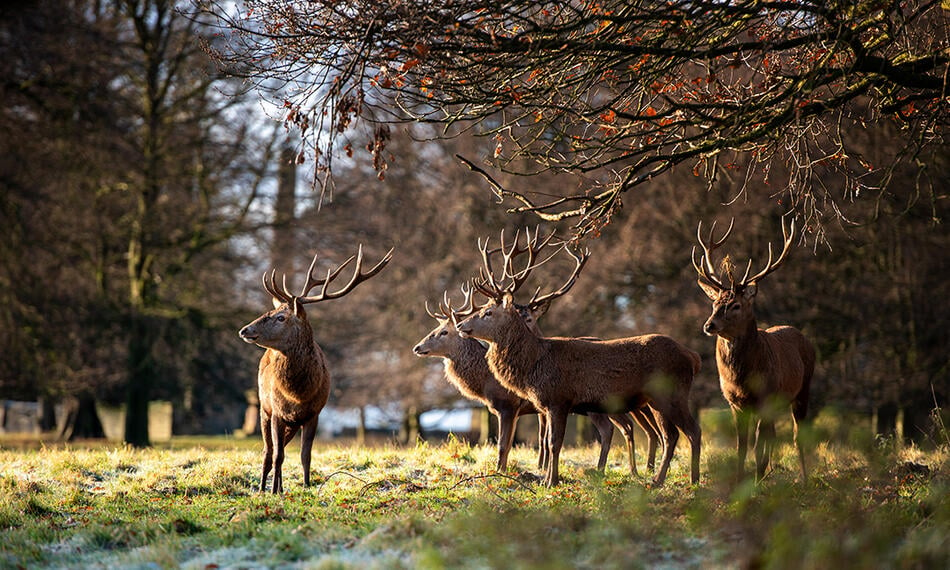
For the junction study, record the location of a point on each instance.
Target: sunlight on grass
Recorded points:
(442, 505)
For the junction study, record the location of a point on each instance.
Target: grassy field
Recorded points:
(193, 504)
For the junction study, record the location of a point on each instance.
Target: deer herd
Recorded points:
(494, 353)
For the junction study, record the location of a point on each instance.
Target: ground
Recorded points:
(194, 504)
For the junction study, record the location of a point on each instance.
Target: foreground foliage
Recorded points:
(435, 506)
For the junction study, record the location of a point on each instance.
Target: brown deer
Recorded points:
(760, 371)
(467, 370)
(293, 380)
(534, 310)
(559, 375)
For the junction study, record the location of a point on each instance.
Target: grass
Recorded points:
(193, 505)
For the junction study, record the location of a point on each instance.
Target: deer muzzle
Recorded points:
(419, 350)
(248, 334)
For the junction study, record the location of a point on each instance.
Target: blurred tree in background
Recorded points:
(137, 195)
(125, 172)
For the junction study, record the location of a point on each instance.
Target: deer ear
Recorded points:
(750, 290)
(507, 301)
(710, 291)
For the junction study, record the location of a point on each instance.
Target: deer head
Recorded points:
(500, 289)
(444, 339)
(733, 303)
(283, 326)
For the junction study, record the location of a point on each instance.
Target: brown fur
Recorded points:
(613, 376)
(760, 371)
(293, 385)
(467, 370)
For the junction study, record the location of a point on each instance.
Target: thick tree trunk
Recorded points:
(411, 430)
(47, 417)
(142, 375)
(81, 420)
(885, 420)
(917, 423)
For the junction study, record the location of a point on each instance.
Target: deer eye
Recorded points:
(487, 314)
(443, 333)
(733, 307)
(280, 318)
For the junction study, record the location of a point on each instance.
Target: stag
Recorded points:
(534, 309)
(467, 370)
(558, 375)
(760, 371)
(293, 379)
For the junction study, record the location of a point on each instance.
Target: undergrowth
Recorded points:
(865, 505)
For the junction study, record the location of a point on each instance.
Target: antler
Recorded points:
(445, 307)
(704, 268)
(770, 266)
(494, 287)
(579, 261)
(279, 293)
(358, 277)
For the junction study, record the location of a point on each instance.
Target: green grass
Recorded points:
(193, 504)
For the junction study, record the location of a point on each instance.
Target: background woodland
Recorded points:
(143, 193)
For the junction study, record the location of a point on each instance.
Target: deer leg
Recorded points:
(506, 435)
(268, 448)
(306, 445)
(625, 424)
(742, 420)
(557, 423)
(799, 411)
(798, 445)
(543, 449)
(628, 434)
(670, 436)
(277, 434)
(648, 424)
(605, 433)
(688, 424)
(764, 440)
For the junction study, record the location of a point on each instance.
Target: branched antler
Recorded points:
(704, 266)
(283, 295)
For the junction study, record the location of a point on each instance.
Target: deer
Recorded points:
(558, 375)
(533, 310)
(760, 371)
(293, 377)
(467, 370)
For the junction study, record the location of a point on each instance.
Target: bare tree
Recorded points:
(617, 91)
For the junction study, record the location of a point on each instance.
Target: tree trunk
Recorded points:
(411, 430)
(582, 426)
(885, 422)
(361, 427)
(488, 427)
(81, 421)
(47, 417)
(916, 424)
(142, 374)
(252, 413)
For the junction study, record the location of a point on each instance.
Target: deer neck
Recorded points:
(514, 355)
(468, 368)
(742, 352)
(294, 362)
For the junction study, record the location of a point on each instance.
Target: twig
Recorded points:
(490, 476)
(335, 473)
